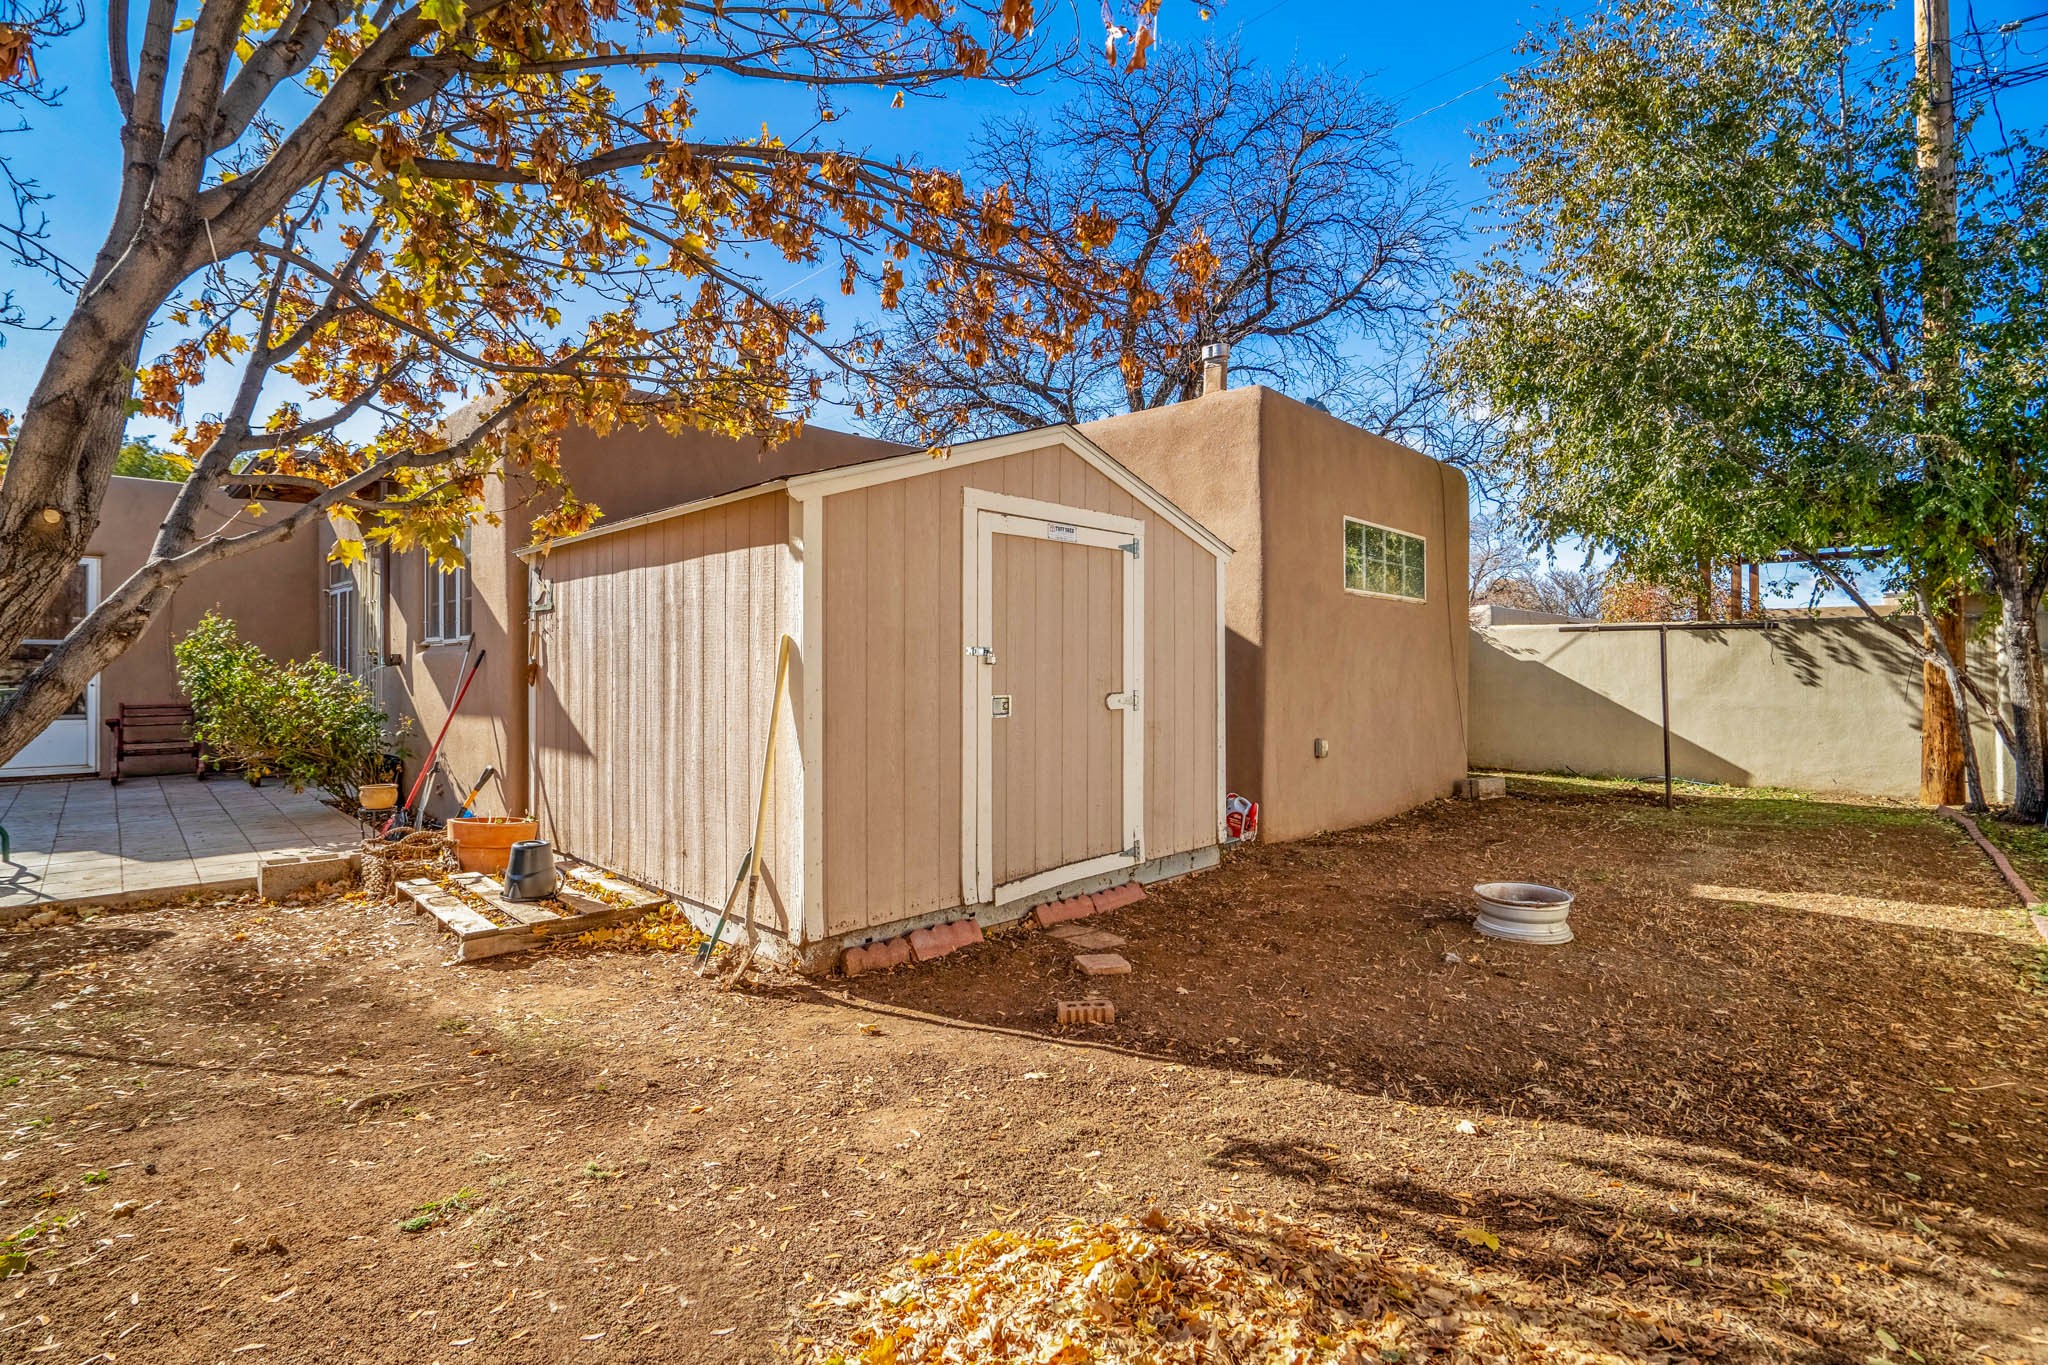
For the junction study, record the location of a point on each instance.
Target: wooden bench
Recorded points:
(154, 730)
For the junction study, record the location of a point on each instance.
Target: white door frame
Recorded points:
(985, 516)
(32, 762)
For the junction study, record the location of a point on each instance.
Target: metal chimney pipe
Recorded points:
(1215, 368)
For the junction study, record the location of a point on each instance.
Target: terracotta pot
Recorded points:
(484, 843)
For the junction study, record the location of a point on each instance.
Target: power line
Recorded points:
(1997, 115)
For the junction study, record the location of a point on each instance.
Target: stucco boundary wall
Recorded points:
(1828, 705)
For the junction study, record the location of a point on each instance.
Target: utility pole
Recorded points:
(1941, 729)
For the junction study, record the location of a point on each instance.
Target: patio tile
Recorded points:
(85, 840)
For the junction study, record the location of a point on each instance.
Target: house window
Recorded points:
(341, 618)
(1382, 562)
(448, 600)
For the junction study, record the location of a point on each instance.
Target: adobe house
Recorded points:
(1347, 648)
(1344, 650)
(264, 592)
(1005, 685)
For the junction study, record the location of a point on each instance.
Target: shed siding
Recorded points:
(891, 681)
(650, 704)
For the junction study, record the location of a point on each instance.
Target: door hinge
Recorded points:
(1136, 852)
(985, 653)
(1132, 548)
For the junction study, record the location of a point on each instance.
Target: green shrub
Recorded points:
(306, 722)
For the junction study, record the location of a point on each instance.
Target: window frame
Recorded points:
(1344, 562)
(434, 587)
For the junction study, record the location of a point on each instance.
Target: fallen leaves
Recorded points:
(1223, 1283)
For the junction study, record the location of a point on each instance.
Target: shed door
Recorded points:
(1054, 656)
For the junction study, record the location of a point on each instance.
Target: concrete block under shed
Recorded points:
(1094, 1010)
(876, 957)
(280, 874)
(1480, 788)
(1059, 912)
(1117, 897)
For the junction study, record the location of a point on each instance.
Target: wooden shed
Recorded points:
(1005, 684)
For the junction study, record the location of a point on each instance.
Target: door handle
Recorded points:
(1122, 701)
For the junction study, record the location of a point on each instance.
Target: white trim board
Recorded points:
(807, 521)
(985, 515)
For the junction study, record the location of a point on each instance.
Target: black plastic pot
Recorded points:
(530, 872)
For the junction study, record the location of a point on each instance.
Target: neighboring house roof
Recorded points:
(861, 473)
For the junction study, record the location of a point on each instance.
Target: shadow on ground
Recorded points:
(1810, 999)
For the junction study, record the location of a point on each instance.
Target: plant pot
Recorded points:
(1523, 912)
(377, 795)
(484, 843)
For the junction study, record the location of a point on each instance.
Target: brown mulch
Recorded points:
(1785, 1099)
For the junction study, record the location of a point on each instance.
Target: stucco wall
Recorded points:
(272, 594)
(1384, 682)
(1825, 706)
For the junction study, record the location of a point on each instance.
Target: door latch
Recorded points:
(985, 653)
(1122, 701)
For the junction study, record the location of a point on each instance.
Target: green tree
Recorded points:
(1704, 325)
(140, 459)
(305, 720)
(354, 213)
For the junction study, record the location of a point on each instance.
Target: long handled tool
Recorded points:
(490, 771)
(428, 767)
(750, 863)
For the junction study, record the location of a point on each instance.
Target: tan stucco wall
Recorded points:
(626, 473)
(1824, 706)
(272, 594)
(1384, 682)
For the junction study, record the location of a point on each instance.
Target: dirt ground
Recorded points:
(1786, 1098)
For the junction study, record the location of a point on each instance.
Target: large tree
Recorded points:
(1719, 319)
(1267, 210)
(353, 214)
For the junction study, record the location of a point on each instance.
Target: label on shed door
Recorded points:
(999, 705)
(1055, 530)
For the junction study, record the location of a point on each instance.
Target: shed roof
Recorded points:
(861, 473)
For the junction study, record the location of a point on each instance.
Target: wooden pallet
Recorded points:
(515, 926)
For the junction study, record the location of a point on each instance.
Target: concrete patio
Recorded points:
(86, 842)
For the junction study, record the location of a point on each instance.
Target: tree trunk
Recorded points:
(63, 455)
(1941, 728)
(2019, 655)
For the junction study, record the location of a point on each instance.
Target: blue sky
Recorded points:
(1440, 63)
(1437, 62)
